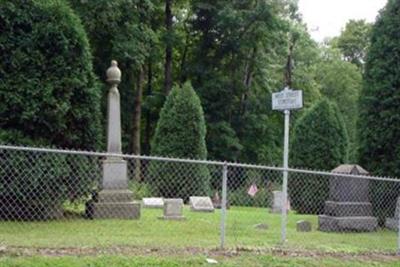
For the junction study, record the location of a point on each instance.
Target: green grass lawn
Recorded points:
(244, 260)
(199, 230)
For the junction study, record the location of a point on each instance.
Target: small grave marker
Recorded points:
(153, 202)
(303, 226)
(201, 204)
(173, 209)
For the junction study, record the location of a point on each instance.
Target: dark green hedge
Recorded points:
(48, 92)
(48, 97)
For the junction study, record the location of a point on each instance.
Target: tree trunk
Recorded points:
(248, 78)
(137, 112)
(289, 63)
(149, 91)
(168, 49)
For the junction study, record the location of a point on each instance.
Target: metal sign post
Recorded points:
(286, 100)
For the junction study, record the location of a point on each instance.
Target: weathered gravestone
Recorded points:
(348, 207)
(277, 201)
(303, 226)
(201, 204)
(153, 202)
(114, 200)
(173, 209)
(393, 223)
(277, 197)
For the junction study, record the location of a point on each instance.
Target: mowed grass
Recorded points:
(199, 230)
(244, 260)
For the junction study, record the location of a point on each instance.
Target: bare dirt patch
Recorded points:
(192, 251)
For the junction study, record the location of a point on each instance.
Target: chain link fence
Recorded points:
(60, 198)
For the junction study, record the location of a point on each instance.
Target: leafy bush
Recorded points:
(140, 189)
(180, 133)
(320, 142)
(48, 97)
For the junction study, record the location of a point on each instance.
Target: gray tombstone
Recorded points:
(393, 223)
(202, 204)
(277, 197)
(114, 200)
(303, 226)
(173, 209)
(153, 202)
(348, 207)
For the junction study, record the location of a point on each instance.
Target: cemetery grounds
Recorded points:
(252, 232)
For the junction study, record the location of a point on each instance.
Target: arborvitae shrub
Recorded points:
(379, 121)
(319, 142)
(48, 97)
(180, 133)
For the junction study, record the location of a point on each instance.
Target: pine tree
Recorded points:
(380, 108)
(320, 142)
(180, 133)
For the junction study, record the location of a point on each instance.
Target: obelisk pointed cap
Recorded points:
(113, 73)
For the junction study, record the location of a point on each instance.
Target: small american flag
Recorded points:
(252, 190)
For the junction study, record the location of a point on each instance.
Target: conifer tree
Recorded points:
(320, 142)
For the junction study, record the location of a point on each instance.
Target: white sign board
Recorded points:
(287, 99)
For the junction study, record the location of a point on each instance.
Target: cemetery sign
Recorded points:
(287, 100)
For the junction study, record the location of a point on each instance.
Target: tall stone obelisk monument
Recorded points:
(114, 200)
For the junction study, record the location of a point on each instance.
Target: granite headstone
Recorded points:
(348, 207)
(173, 209)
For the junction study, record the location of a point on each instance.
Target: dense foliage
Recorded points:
(380, 107)
(319, 142)
(236, 53)
(49, 97)
(341, 83)
(180, 133)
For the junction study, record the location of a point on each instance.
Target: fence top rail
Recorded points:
(131, 156)
(194, 161)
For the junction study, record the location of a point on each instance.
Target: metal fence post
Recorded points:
(285, 177)
(223, 203)
(398, 237)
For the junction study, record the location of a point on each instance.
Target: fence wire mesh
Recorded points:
(61, 198)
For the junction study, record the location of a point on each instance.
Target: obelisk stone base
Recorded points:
(113, 204)
(115, 172)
